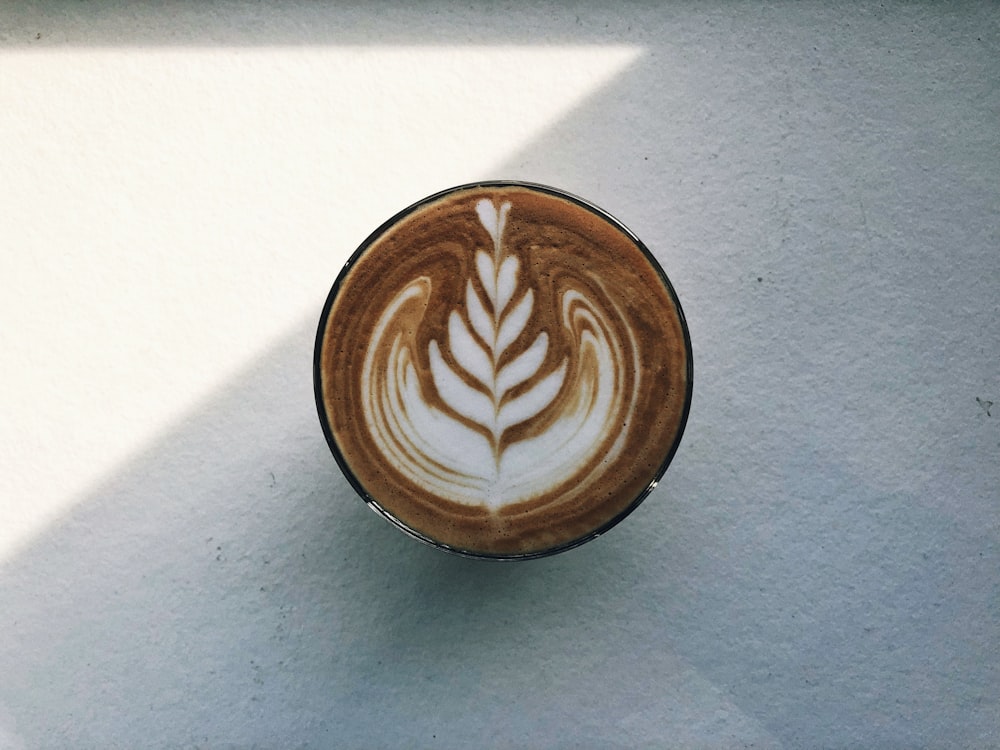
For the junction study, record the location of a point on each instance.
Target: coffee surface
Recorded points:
(503, 370)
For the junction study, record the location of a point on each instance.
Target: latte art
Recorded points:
(494, 380)
(503, 370)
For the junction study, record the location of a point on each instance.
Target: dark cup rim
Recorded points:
(331, 440)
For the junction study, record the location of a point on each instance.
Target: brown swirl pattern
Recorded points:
(503, 371)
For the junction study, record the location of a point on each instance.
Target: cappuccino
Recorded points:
(503, 370)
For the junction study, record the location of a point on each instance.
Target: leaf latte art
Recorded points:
(495, 381)
(503, 370)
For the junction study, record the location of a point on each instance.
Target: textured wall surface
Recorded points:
(181, 563)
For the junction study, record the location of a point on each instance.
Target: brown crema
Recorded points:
(588, 329)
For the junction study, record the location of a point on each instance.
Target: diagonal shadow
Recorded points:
(804, 602)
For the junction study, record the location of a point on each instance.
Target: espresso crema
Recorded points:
(503, 370)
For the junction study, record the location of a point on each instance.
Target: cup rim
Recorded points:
(341, 460)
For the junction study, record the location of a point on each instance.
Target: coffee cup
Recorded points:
(503, 370)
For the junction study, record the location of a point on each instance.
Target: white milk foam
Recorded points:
(448, 458)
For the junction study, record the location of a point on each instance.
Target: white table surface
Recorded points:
(181, 563)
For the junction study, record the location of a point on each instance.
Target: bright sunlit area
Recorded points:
(182, 564)
(170, 213)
